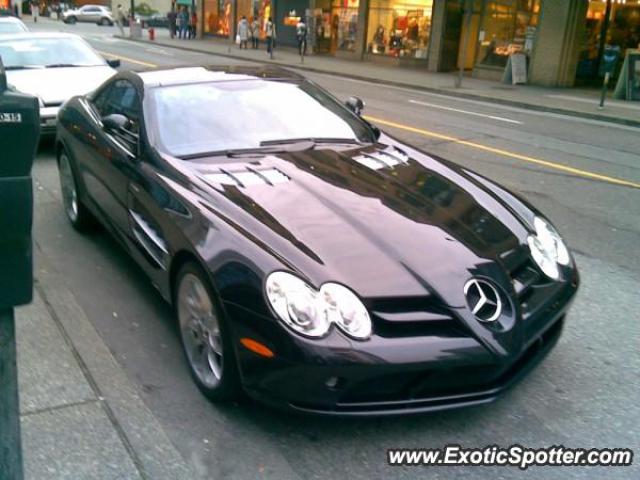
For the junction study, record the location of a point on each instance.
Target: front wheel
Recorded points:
(79, 217)
(72, 20)
(205, 337)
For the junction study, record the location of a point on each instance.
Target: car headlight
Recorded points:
(310, 312)
(547, 248)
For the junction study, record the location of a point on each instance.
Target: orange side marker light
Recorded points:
(257, 347)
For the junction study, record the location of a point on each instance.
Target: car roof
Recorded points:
(185, 75)
(10, 20)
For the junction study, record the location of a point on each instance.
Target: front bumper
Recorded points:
(48, 120)
(391, 376)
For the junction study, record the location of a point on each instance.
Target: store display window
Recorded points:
(399, 28)
(322, 26)
(217, 17)
(605, 43)
(344, 25)
(254, 9)
(508, 26)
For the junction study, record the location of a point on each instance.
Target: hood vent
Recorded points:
(379, 159)
(247, 177)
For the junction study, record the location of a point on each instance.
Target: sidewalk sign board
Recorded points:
(628, 85)
(515, 71)
(633, 76)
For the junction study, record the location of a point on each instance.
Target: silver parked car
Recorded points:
(89, 13)
(54, 67)
(12, 25)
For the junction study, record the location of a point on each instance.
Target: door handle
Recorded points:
(134, 188)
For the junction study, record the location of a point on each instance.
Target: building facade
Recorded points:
(565, 41)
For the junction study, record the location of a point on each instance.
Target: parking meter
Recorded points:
(19, 133)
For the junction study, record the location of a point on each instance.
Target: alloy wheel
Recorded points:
(200, 329)
(68, 187)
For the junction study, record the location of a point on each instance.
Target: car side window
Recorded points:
(100, 100)
(121, 97)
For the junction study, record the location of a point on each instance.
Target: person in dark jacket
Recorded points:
(172, 16)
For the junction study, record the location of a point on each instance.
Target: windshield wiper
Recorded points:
(298, 146)
(22, 67)
(64, 65)
(314, 140)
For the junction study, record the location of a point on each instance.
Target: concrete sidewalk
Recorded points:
(567, 101)
(81, 417)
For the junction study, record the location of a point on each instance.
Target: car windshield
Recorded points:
(197, 119)
(47, 52)
(12, 27)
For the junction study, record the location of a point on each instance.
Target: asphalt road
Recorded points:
(585, 394)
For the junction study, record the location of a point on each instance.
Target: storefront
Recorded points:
(612, 27)
(287, 15)
(259, 10)
(217, 17)
(399, 28)
(506, 27)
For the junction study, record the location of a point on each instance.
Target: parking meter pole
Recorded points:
(605, 83)
(10, 445)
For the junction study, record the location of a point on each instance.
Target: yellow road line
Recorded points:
(126, 59)
(525, 158)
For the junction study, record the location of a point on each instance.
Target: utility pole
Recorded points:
(467, 11)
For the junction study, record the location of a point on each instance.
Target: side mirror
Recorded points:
(355, 104)
(115, 121)
(114, 63)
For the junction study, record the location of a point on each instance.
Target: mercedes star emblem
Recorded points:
(483, 299)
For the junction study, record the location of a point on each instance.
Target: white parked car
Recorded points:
(12, 25)
(54, 67)
(89, 13)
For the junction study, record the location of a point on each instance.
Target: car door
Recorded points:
(88, 14)
(112, 153)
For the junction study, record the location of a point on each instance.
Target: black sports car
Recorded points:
(313, 261)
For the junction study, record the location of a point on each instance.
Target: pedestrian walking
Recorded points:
(192, 24)
(183, 22)
(35, 11)
(172, 16)
(255, 33)
(243, 32)
(120, 19)
(301, 36)
(270, 35)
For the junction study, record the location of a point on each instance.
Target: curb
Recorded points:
(143, 437)
(449, 93)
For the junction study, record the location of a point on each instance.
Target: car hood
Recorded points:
(56, 85)
(413, 227)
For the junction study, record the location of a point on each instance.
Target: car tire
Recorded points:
(205, 336)
(77, 214)
(71, 20)
(104, 22)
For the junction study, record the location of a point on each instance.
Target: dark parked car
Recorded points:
(313, 261)
(157, 20)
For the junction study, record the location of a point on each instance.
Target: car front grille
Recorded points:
(413, 317)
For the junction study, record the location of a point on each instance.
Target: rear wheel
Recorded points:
(205, 337)
(79, 217)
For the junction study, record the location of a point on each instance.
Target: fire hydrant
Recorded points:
(152, 33)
